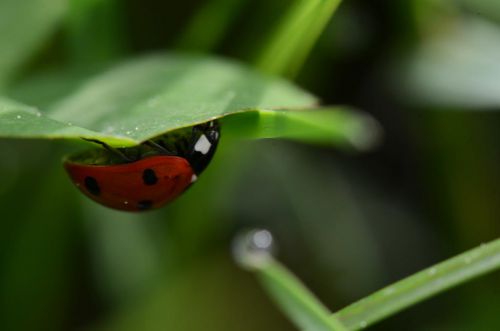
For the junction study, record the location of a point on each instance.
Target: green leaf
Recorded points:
(340, 126)
(147, 97)
(295, 35)
(24, 26)
(20, 121)
(143, 98)
(47, 87)
(421, 286)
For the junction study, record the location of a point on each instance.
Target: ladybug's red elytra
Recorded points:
(147, 176)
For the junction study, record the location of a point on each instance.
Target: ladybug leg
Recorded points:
(159, 148)
(115, 151)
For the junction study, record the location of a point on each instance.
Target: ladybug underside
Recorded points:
(146, 176)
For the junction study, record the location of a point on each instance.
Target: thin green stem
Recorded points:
(294, 37)
(424, 284)
(300, 305)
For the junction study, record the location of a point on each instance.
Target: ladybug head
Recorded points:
(203, 145)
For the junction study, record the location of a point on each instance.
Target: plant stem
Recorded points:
(294, 37)
(422, 285)
(301, 306)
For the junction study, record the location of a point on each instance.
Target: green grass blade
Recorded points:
(208, 26)
(252, 251)
(294, 37)
(425, 284)
(300, 305)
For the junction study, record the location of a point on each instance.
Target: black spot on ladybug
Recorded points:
(145, 204)
(149, 177)
(92, 186)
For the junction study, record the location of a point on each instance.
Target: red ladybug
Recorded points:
(147, 176)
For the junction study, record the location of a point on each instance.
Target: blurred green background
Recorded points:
(346, 223)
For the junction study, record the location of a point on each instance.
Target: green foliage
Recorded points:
(309, 314)
(298, 303)
(24, 27)
(147, 97)
(61, 78)
(421, 286)
(295, 35)
(21, 121)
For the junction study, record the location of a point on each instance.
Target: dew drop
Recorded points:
(18, 117)
(262, 239)
(432, 271)
(136, 128)
(253, 249)
(363, 324)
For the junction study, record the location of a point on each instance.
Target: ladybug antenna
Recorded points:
(110, 149)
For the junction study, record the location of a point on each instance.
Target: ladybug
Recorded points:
(147, 176)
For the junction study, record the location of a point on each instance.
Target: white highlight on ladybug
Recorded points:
(202, 145)
(194, 178)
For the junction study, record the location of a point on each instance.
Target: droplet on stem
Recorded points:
(253, 249)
